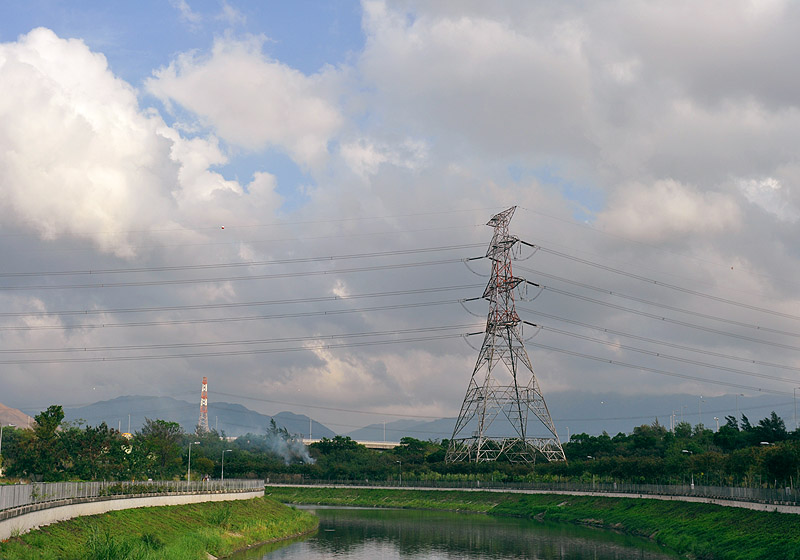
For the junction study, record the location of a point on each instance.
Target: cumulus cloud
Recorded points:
(769, 194)
(654, 123)
(80, 157)
(667, 209)
(252, 101)
(77, 156)
(476, 79)
(365, 157)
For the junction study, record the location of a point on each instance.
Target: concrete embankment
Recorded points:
(30, 520)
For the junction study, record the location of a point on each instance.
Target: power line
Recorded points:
(243, 342)
(674, 321)
(236, 304)
(317, 407)
(660, 305)
(658, 371)
(231, 319)
(228, 278)
(664, 356)
(429, 338)
(661, 342)
(664, 284)
(91, 272)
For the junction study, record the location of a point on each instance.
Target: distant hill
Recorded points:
(593, 413)
(395, 431)
(573, 413)
(13, 416)
(129, 413)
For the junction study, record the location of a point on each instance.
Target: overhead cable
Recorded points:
(229, 319)
(662, 342)
(91, 272)
(663, 284)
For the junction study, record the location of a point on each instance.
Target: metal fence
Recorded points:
(777, 496)
(54, 493)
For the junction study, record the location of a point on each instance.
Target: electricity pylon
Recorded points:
(493, 421)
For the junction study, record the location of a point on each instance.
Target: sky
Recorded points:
(281, 196)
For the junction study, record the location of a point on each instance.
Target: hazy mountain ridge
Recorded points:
(572, 413)
(128, 413)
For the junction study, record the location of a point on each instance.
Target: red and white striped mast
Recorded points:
(202, 424)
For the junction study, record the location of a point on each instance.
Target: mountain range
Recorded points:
(128, 415)
(572, 413)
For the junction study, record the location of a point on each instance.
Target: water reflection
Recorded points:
(361, 534)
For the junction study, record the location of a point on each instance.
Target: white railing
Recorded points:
(778, 496)
(40, 494)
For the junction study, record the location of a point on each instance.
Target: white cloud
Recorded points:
(769, 194)
(365, 157)
(76, 154)
(252, 101)
(231, 15)
(477, 80)
(79, 157)
(663, 120)
(187, 14)
(667, 209)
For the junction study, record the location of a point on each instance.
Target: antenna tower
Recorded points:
(504, 394)
(202, 424)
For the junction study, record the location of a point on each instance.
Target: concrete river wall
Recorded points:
(24, 507)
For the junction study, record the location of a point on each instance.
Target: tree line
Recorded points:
(739, 453)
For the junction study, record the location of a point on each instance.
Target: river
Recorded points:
(373, 534)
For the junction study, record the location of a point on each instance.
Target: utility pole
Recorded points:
(700, 411)
(503, 386)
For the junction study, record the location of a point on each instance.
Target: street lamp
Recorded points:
(717, 421)
(189, 469)
(794, 392)
(401, 471)
(222, 477)
(700, 411)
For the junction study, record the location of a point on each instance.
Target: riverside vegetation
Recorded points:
(187, 532)
(763, 454)
(700, 531)
(740, 453)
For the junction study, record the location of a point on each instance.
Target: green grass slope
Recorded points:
(186, 532)
(701, 531)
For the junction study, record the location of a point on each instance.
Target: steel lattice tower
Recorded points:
(505, 394)
(202, 424)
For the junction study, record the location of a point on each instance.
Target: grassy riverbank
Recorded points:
(701, 531)
(186, 532)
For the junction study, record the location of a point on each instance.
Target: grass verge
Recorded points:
(701, 531)
(185, 532)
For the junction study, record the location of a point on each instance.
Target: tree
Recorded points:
(97, 453)
(781, 461)
(157, 449)
(728, 437)
(772, 429)
(48, 449)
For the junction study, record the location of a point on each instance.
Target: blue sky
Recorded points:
(139, 37)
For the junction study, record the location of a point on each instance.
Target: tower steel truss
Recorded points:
(493, 421)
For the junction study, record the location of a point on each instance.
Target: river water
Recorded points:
(373, 534)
